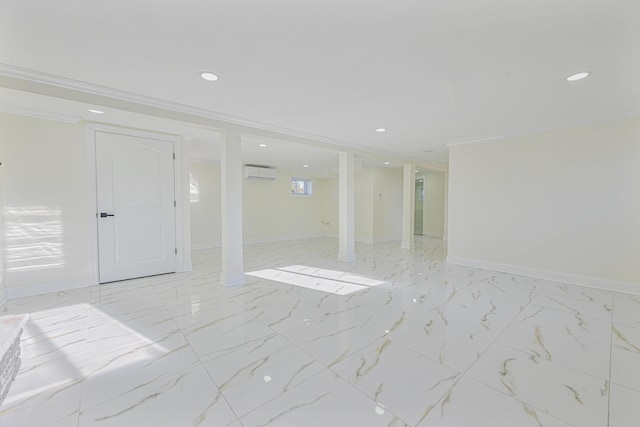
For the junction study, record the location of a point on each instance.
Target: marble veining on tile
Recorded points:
(396, 338)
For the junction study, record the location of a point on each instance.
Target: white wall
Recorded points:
(45, 202)
(3, 291)
(270, 212)
(364, 205)
(562, 204)
(47, 207)
(387, 204)
(205, 204)
(378, 205)
(433, 205)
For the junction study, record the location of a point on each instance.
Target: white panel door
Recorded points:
(136, 213)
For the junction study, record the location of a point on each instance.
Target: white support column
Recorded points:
(346, 208)
(232, 269)
(446, 207)
(408, 205)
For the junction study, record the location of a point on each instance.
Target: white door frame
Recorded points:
(92, 192)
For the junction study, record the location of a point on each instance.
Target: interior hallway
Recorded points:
(399, 339)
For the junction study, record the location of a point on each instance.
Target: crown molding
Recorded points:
(11, 109)
(38, 77)
(584, 121)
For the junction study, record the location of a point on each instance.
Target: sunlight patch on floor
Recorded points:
(320, 279)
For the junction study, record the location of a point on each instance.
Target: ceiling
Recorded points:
(431, 72)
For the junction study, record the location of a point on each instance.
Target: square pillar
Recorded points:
(346, 208)
(232, 268)
(408, 205)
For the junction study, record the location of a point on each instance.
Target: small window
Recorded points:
(301, 187)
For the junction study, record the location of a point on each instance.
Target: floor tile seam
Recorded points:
(573, 298)
(186, 331)
(252, 410)
(444, 395)
(511, 396)
(626, 387)
(407, 349)
(613, 306)
(86, 355)
(492, 343)
(561, 365)
(200, 364)
(290, 342)
(43, 393)
(363, 393)
(282, 335)
(275, 333)
(460, 372)
(588, 340)
(574, 313)
(222, 395)
(635, 328)
(320, 319)
(162, 376)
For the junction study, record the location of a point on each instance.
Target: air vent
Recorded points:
(260, 172)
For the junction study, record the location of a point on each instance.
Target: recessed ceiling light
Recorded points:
(262, 145)
(386, 163)
(578, 76)
(305, 166)
(209, 76)
(380, 130)
(416, 171)
(94, 111)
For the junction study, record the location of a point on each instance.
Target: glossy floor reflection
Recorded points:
(429, 345)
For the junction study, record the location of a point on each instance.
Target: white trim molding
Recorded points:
(28, 112)
(282, 238)
(205, 246)
(555, 276)
(222, 120)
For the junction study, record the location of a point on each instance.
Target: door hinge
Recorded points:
(176, 250)
(174, 204)
(174, 156)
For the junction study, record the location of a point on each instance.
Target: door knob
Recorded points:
(104, 214)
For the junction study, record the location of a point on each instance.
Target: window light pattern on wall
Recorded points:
(301, 186)
(194, 189)
(34, 238)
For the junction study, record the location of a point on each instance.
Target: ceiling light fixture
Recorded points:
(209, 76)
(94, 111)
(262, 145)
(387, 163)
(578, 76)
(380, 130)
(305, 166)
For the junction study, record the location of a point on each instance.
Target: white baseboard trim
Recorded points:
(47, 287)
(573, 279)
(436, 235)
(3, 297)
(233, 280)
(282, 238)
(374, 240)
(201, 246)
(386, 239)
(187, 267)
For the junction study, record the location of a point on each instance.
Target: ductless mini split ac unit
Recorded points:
(260, 172)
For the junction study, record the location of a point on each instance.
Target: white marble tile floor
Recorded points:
(397, 338)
